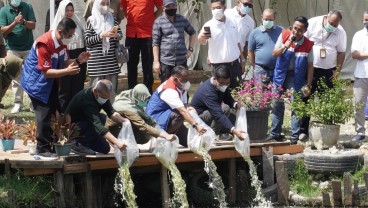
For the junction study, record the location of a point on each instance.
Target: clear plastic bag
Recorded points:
(242, 146)
(132, 151)
(196, 141)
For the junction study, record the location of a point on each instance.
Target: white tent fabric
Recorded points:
(286, 10)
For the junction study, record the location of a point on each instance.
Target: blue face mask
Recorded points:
(329, 28)
(244, 9)
(267, 24)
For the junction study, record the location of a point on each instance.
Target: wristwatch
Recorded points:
(190, 49)
(195, 125)
(77, 61)
(24, 21)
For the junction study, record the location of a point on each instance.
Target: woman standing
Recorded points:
(102, 36)
(71, 84)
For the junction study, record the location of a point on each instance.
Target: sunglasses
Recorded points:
(248, 5)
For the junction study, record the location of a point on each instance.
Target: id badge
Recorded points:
(322, 53)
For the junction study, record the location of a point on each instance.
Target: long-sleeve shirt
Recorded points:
(207, 97)
(84, 106)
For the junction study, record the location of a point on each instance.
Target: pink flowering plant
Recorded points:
(257, 95)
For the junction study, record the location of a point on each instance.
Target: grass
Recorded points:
(25, 113)
(36, 190)
(301, 181)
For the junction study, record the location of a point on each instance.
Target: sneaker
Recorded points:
(80, 149)
(303, 137)
(16, 109)
(277, 138)
(225, 137)
(358, 138)
(294, 140)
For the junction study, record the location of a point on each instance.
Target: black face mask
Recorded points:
(366, 25)
(170, 12)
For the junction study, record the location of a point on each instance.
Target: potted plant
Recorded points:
(327, 107)
(29, 136)
(63, 133)
(8, 130)
(257, 97)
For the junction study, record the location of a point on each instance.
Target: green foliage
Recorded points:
(301, 181)
(327, 105)
(28, 190)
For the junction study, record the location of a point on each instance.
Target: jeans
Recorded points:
(258, 71)
(141, 46)
(278, 110)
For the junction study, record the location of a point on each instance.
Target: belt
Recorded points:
(227, 63)
(265, 67)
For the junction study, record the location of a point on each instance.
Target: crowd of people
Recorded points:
(55, 67)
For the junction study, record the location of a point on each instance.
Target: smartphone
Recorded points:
(115, 28)
(207, 29)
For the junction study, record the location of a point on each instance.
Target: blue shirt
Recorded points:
(262, 42)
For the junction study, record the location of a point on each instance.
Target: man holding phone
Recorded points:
(221, 33)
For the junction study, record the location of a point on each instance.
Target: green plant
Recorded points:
(64, 131)
(35, 191)
(8, 128)
(29, 132)
(327, 105)
(301, 181)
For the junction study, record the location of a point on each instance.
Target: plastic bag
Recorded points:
(196, 141)
(132, 151)
(243, 147)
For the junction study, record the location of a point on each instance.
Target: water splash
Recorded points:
(260, 200)
(215, 179)
(180, 196)
(125, 186)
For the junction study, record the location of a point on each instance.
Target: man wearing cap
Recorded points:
(10, 67)
(169, 49)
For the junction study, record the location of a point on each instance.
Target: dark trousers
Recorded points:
(235, 72)
(208, 118)
(141, 46)
(318, 74)
(71, 84)
(167, 69)
(43, 114)
(176, 126)
(90, 138)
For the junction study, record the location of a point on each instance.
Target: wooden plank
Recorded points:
(356, 200)
(232, 181)
(59, 187)
(347, 190)
(7, 167)
(75, 168)
(165, 189)
(282, 182)
(89, 188)
(268, 167)
(36, 164)
(336, 191)
(326, 199)
(69, 193)
(38, 171)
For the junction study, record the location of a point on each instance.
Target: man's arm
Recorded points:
(340, 59)
(109, 137)
(359, 56)
(156, 59)
(251, 59)
(186, 115)
(159, 11)
(310, 73)
(245, 51)
(31, 25)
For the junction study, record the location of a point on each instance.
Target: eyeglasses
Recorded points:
(248, 5)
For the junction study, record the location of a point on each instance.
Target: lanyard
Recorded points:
(323, 28)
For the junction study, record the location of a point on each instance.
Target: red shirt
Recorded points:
(140, 17)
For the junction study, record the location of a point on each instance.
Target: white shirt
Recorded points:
(223, 44)
(245, 24)
(332, 42)
(172, 97)
(360, 44)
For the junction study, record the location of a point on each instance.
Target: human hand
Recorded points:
(83, 57)
(170, 137)
(200, 129)
(121, 145)
(188, 54)
(287, 44)
(239, 134)
(306, 90)
(157, 67)
(335, 74)
(108, 34)
(118, 117)
(19, 18)
(72, 69)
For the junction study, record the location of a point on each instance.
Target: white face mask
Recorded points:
(65, 41)
(15, 3)
(101, 101)
(104, 9)
(222, 88)
(186, 86)
(218, 13)
(267, 24)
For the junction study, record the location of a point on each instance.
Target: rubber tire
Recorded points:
(198, 191)
(315, 162)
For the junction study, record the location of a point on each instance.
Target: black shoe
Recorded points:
(294, 141)
(80, 149)
(358, 138)
(277, 138)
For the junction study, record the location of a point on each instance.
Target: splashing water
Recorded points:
(125, 186)
(260, 200)
(180, 196)
(215, 179)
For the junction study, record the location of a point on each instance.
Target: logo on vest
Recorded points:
(46, 64)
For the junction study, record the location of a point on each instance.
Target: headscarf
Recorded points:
(77, 41)
(101, 23)
(127, 100)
